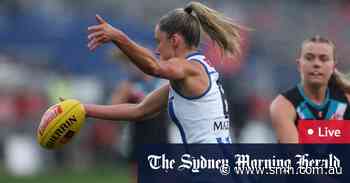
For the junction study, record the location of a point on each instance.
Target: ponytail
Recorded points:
(218, 27)
(339, 80)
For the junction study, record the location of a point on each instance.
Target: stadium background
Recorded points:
(43, 55)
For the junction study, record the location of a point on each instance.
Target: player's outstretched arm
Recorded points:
(282, 115)
(140, 56)
(151, 105)
(103, 32)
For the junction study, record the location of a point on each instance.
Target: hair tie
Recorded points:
(188, 10)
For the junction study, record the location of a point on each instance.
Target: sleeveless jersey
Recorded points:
(204, 118)
(334, 107)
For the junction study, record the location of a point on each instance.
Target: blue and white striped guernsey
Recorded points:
(204, 118)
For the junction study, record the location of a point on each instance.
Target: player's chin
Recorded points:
(317, 82)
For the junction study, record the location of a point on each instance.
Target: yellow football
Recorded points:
(60, 123)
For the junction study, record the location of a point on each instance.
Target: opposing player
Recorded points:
(150, 131)
(194, 96)
(322, 94)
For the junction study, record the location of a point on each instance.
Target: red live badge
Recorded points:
(324, 131)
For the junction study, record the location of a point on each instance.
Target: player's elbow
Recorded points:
(140, 113)
(137, 114)
(144, 111)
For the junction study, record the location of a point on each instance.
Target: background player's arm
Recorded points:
(122, 93)
(151, 105)
(283, 115)
(140, 56)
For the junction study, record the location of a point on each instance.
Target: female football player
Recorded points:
(322, 94)
(194, 96)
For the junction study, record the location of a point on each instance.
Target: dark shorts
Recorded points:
(151, 131)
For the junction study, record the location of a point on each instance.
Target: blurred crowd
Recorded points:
(43, 55)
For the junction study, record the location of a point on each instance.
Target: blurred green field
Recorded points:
(98, 175)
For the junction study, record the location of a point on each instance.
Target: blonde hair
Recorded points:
(196, 16)
(341, 81)
(337, 79)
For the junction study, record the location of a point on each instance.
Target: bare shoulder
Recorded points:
(280, 106)
(281, 101)
(192, 67)
(283, 116)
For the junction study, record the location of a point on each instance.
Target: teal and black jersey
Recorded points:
(334, 107)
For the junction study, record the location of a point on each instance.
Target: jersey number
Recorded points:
(223, 100)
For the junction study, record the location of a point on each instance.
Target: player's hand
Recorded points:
(101, 33)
